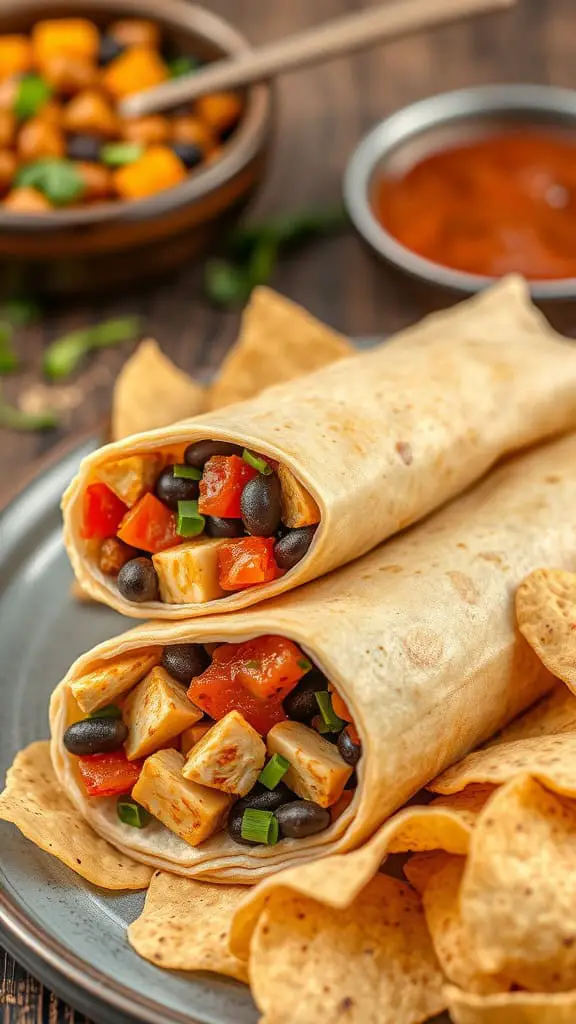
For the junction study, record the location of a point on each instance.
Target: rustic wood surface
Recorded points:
(322, 114)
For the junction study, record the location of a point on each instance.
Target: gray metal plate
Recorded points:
(65, 931)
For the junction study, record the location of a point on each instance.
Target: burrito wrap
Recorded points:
(380, 439)
(418, 637)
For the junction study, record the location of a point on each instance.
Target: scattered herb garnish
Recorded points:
(304, 664)
(63, 356)
(118, 154)
(20, 312)
(33, 92)
(259, 827)
(15, 419)
(131, 813)
(57, 179)
(252, 252)
(182, 66)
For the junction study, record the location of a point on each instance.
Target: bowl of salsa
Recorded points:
(464, 187)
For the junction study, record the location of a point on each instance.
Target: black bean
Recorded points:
(189, 153)
(260, 505)
(84, 147)
(352, 781)
(171, 489)
(137, 580)
(301, 704)
(301, 818)
(95, 736)
(110, 48)
(259, 799)
(185, 661)
(197, 454)
(292, 547)
(350, 751)
(217, 527)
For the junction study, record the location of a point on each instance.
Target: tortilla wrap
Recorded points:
(419, 638)
(379, 439)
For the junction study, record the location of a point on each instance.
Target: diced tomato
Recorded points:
(103, 512)
(216, 693)
(339, 706)
(247, 562)
(268, 667)
(149, 525)
(221, 486)
(109, 774)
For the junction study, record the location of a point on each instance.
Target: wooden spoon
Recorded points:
(332, 39)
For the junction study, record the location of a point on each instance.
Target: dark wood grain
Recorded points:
(322, 113)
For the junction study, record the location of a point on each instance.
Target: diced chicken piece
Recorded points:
(316, 772)
(188, 574)
(112, 679)
(193, 812)
(190, 737)
(230, 756)
(131, 477)
(156, 711)
(298, 507)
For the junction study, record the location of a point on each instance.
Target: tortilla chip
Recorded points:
(185, 926)
(34, 802)
(151, 392)
(519, 888)
(278, 341)
(511, 1008)
(551, 716)
(550, 759)
(336, 881)
(441, 902)
(374, 961)
(546, 614)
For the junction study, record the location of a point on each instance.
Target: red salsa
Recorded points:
(504, 202)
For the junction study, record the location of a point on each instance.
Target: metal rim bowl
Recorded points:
(423, 126)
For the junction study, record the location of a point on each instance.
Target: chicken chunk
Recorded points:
(298, 507)
(193, 812)
(229, 757)
(188, 574)
(113, 678)
(156, 711)
(131, 477)
(317, 772)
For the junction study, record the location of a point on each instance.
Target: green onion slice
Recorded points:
(256, 462)
(259, 827)
(304, 664)
(187, 473)
(274, 771)
(118, 154)
(319, 725)
(182, 66)
(331, 719)
(132, 813)
(190, 521)
(109, 711)
(33, 92)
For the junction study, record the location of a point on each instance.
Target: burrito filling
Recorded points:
(250, 737)
(193, 526)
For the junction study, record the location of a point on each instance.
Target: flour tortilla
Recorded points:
(420, 639)
(379, 439)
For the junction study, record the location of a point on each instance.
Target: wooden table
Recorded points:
(323, 112)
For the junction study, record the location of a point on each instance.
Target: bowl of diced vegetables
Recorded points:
(90, 199)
